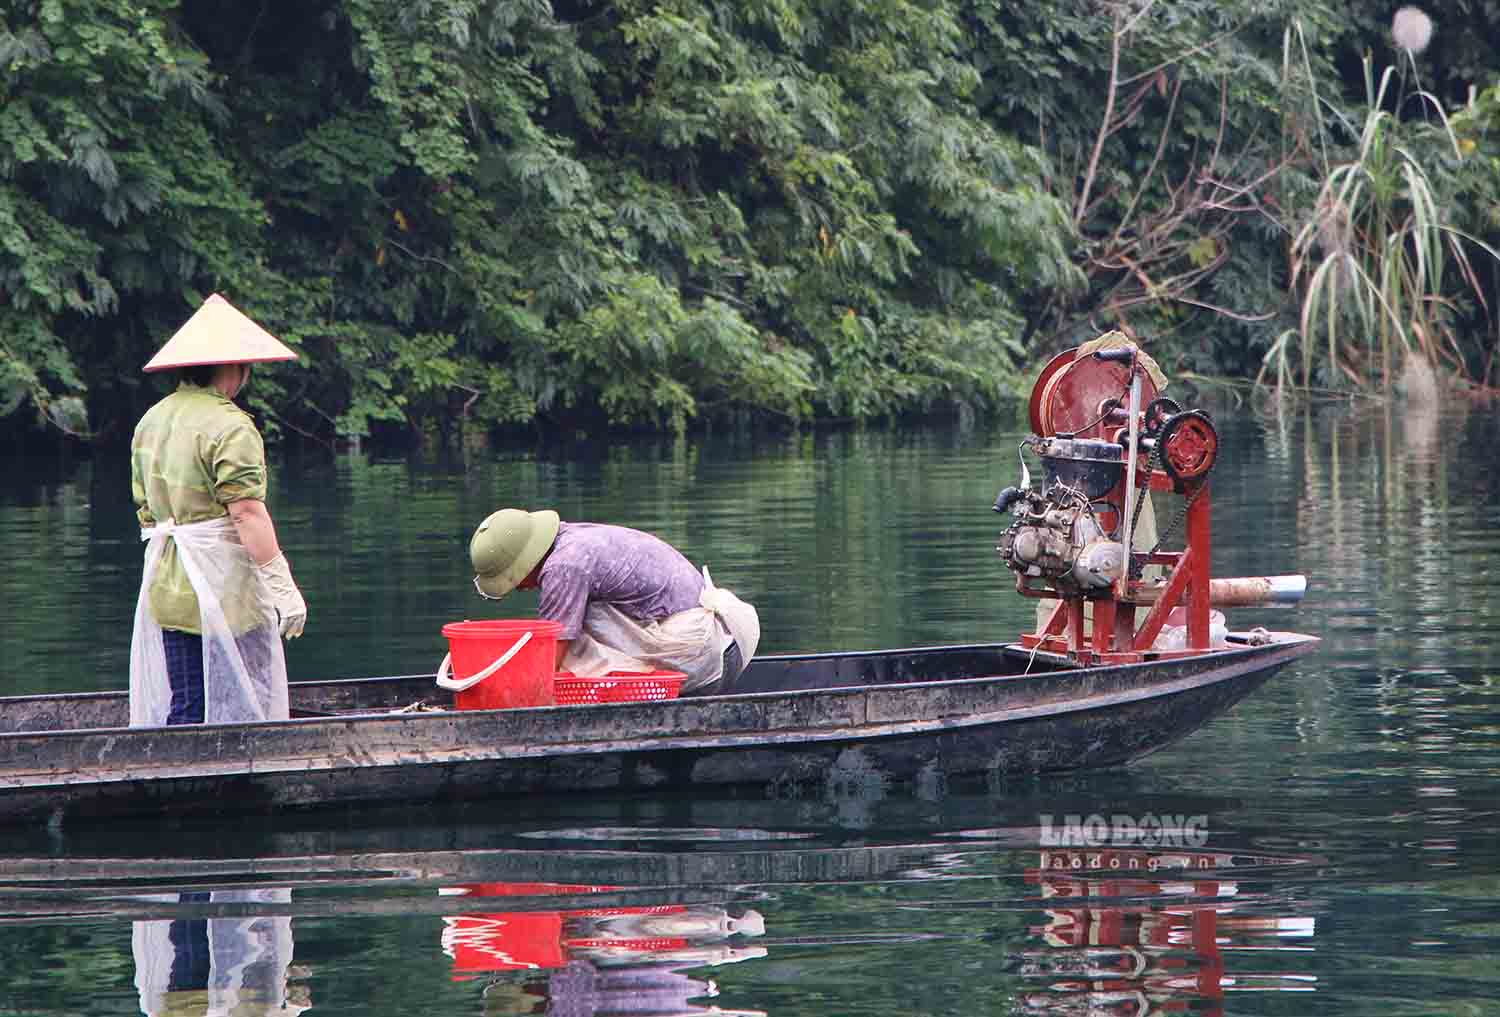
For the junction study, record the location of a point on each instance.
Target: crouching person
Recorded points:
(626, 600)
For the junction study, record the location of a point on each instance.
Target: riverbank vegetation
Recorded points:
(470, 214)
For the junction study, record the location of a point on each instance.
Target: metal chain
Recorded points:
(1136, 568)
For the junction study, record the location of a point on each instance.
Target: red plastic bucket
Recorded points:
(519, 655)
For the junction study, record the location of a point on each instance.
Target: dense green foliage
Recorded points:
(494, 212)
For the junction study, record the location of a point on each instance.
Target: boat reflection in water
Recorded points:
(230, 952)
(224, 965)
(596, 961)
(1147, 932)
(602, 915)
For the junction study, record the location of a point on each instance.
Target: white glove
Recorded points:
(276, 574)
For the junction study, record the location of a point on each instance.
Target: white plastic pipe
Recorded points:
(1241, 591)
(1123, 583)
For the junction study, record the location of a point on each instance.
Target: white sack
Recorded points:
(691, 641)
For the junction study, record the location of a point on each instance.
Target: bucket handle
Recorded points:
(460, 684)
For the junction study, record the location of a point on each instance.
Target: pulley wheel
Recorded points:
(1189, 444)
(1034, 407)
(1158, 412)
(1069, 391)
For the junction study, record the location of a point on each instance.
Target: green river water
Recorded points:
(1347, 812)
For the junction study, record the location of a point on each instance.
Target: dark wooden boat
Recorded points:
(838, 717)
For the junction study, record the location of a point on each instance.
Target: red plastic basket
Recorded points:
(617, 687)
(655, 944)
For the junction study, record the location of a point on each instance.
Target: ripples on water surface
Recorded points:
(1350, 863)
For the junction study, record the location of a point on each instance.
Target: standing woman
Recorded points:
(217, 591)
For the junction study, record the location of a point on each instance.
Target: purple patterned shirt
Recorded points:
(642, 575)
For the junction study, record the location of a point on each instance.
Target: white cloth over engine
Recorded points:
(244, 668)
(691, 641)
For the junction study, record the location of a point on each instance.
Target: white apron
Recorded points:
(244, 673)
(691, 641)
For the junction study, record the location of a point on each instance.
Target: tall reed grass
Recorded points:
(1378, 267)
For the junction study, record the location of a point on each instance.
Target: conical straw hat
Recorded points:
(218, 333)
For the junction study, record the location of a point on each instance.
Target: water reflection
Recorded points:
(197, 966)
(650, 906)
(1133, 932)
(1379, 754)
(595, 961)
(1395, 515)
(229, 952)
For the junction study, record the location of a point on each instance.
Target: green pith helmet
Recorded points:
(507, 546)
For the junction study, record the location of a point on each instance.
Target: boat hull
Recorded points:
(890, 725)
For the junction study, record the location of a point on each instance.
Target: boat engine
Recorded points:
(1056, 534)
(1107, 439)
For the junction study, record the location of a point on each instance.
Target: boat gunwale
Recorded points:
(1283, 640)
(1051, 658)
(1013, 649)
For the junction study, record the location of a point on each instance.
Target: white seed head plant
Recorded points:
(1412, 29)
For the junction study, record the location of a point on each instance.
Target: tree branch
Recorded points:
(1161, 146)
(1109, 112)
(420, 257)
(1181, 56)
(306, 434)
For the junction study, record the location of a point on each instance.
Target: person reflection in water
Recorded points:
(634, 964)
(206, 967)
(597, 962)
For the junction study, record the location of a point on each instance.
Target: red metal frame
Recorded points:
(1112, 636)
